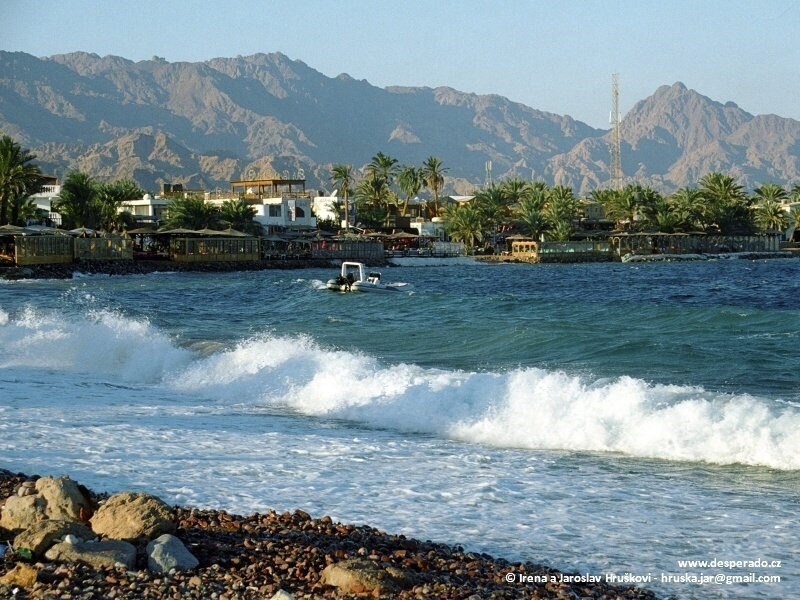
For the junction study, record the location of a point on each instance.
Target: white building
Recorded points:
(324, 208)
(285, 213)
(278, 206)
(147, 209)
(43, 200)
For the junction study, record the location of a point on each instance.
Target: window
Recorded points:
(299, 213)
(274, 210)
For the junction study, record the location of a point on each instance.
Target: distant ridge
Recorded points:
(204, 124)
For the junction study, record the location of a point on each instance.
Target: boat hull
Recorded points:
(338, 284)
(366, 286)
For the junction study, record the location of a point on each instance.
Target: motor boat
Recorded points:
(351, 272)
(353, 278)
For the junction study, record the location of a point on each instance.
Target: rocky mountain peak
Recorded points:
(159, 121)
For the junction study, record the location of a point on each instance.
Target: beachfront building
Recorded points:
(45, 197)
(330, 208)
(147, 209)
(281, 204)
(23, 246)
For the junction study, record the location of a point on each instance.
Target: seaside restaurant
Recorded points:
(209, 245)
(23, 246)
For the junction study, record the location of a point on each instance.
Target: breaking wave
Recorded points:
(526, 408)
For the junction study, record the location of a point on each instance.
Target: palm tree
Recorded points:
(770, 192)
(385, 165)
(727, 203)
(536, 196)
(721, 187)
(493, 204)
(192, 213)
(372, 195)
(561, 231)
(622, 205)
(110, 197)
(794, 195)
(690, 207)
(663, 216)
(794, 220)
(770, 215)
(373, 189)
(529, 214)
(562, 205)
(239, 215)
(342, 176)
(433, 174)
(514, 190)
(77, 201)
(23, 209)
(464, 223)
(410, 182)
(18, 177)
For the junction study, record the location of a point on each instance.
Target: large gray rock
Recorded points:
(40, 536)
(107, 553)
(168, 552)
(360, 576)
(133, 517)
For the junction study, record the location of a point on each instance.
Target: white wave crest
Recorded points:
(526, 408)
(103, 342)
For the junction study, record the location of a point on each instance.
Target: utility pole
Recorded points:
(614, 119)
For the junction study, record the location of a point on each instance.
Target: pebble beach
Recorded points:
(264, 555)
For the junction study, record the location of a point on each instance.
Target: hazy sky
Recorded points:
(556, 56)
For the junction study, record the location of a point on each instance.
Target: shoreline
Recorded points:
(257, 556)
(143, 267)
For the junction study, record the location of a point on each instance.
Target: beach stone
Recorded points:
(49, 498)
(63, 498)
(22, 575)
(282, 595)
(40, 536)
(133, 517)
(107, 553)
(360, 576)
(168, 552)
(22, 512)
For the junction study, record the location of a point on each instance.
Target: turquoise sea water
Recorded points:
(600, 418)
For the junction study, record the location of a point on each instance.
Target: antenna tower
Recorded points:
(614, 119)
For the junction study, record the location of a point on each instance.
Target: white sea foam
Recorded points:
(103, 342)
(525, 408)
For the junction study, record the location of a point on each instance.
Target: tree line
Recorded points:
(387, 188)
(532, 208)
(716, 205)
(86, 202)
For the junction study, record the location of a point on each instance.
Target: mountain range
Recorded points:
(205, 124)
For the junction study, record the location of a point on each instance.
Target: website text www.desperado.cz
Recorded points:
(729, 564)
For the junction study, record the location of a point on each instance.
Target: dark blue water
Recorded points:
(595, 417)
